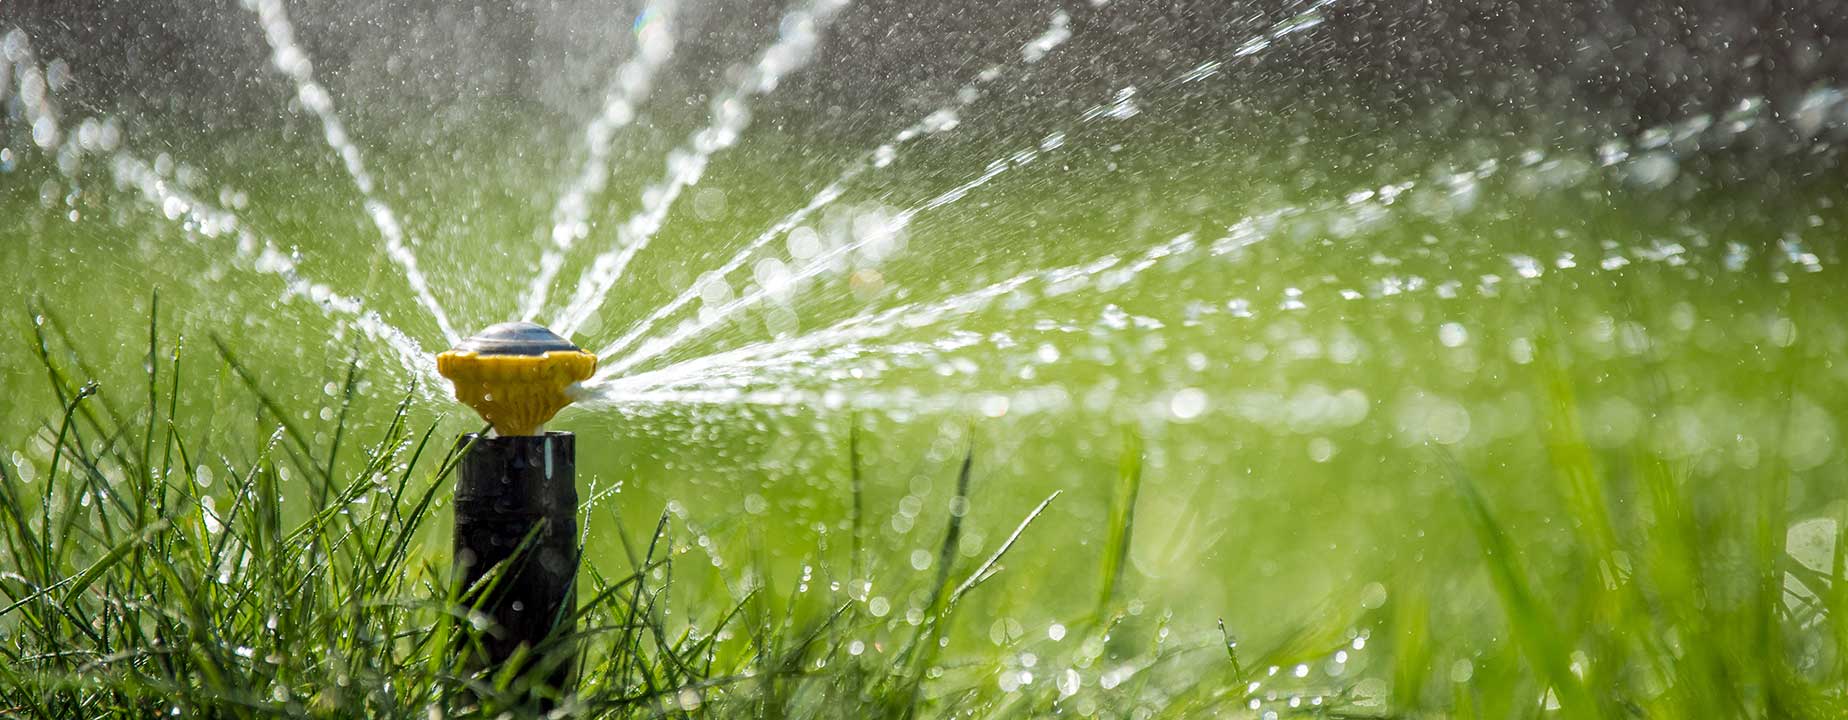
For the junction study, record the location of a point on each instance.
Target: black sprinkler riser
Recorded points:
(507, 487)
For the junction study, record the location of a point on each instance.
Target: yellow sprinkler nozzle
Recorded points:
(515, 375)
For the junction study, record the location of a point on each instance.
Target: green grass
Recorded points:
(142, 589)
(1616, 495)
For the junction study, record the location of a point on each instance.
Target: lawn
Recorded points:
(1318, 423)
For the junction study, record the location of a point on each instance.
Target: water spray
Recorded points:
(516, 494)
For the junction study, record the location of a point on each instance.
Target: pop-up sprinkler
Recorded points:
(516, 496)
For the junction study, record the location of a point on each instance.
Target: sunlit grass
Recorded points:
(156, 575)
(302, 572)
(256, 522)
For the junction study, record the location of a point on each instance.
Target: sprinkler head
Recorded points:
(515, 375)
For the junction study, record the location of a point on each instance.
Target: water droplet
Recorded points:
(1187, 404)
(1452, 334)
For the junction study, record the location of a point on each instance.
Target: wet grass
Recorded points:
(300, 570)
(152, 574)
(249, 524)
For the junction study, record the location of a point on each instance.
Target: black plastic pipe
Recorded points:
(516, 508)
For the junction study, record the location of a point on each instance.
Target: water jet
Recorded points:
(516, 495)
